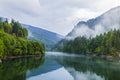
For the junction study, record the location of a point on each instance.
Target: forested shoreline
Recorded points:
(104, 44)
(13, 41)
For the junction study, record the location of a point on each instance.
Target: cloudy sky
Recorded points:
(58, 16)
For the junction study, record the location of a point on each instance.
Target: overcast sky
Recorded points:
(58, 16)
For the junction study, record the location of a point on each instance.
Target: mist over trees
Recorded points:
(13, 40)
(103, 44)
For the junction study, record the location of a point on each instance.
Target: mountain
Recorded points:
(14, 42)
(99, 36)
(92, 27)
(46, 37)
(102, 24)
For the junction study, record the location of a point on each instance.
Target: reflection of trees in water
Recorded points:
(105, 69)
(15, 69)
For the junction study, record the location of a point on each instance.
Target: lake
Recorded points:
(60, 66)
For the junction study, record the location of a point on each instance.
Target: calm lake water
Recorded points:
(60, 66)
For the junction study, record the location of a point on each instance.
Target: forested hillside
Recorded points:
(47, 37)
(13, 41)
(103, 44)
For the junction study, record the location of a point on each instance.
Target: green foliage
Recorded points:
(13, 41)
(7, 27)
(1, 24)
(18, 30)
(1, 48)
(103, 44)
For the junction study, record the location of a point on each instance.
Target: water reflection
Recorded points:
(87, 68)
(59, 74)
(50, 70)
(15, 69)
(60, 66)
(49, 65)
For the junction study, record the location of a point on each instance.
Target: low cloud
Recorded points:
(55, 15)
(106, 22)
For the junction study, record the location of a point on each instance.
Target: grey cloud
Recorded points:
(104, 23)
(55, 15)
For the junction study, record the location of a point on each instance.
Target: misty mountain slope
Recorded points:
(46, 37)
(92, 27)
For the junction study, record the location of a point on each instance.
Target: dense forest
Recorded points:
(103, 44)
(13, 41)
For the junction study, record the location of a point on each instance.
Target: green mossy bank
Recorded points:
(13, 41)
